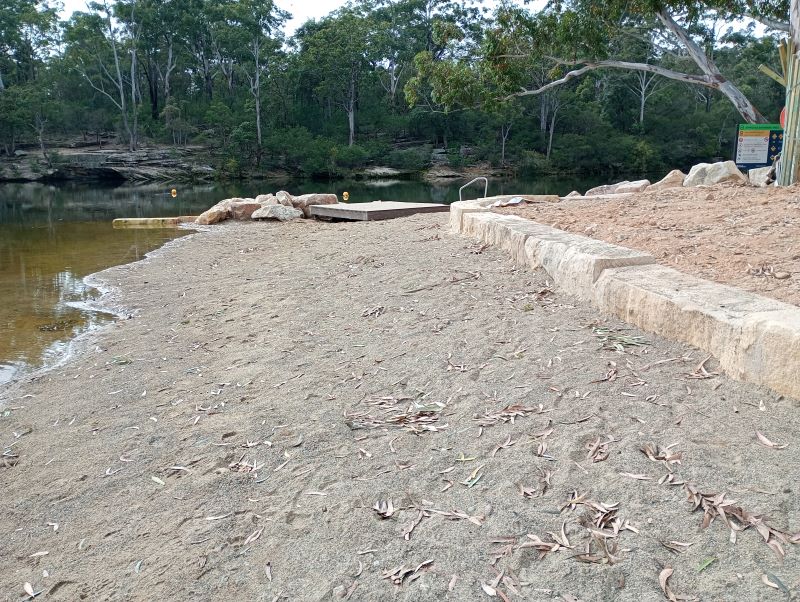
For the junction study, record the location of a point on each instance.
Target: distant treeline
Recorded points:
(583, 85)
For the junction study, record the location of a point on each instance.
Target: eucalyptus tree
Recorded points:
(585, 34)
(27, 29)
(335, 52)
(95, 46)
(250, 33)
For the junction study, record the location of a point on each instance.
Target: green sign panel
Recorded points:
(758, 144)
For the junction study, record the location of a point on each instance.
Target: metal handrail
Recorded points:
(485, 188)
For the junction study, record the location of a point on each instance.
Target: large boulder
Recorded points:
(605, 189)
(214, 215)
(305, 201)
(673, 179)
(243, 209)
(284, 198)
(278, 212)
(708, 174)
(573, 194)
(760, 176)
(266, 199)
(629, 187)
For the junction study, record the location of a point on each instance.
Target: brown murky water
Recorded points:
(43, 299)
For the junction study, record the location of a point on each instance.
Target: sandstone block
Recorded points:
(673, 179)
(760, 176)
(278, 212)
(242, 210)
(305, 201)
(708, 174)
(284, 198)
(632, 187)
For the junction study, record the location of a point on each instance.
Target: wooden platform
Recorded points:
(375, 210)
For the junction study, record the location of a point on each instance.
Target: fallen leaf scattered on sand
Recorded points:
(544, 485)
(662, 454)
(416, 417)
(613, 340)
(772, 581)
(253, 536)
(505, 445)
(678, 547)
(767, 443)
(384, 508)
(598, 449)
(508, 414)
(736, 518)
(401, 573)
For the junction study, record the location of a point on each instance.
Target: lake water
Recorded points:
(52, 237)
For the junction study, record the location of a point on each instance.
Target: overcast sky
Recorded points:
(301, 10)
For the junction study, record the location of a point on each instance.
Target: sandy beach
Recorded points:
(386, 411)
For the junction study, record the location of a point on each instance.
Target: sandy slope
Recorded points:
(738, 235)
(282, 346)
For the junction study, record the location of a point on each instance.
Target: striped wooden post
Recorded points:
(790, 161)
(791, 135)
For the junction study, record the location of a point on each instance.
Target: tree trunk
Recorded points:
(120, 84)
(552, 130)
(715, 79)
(134, 130)
(505, 130)
(168, 72)
(351, 109)
(151, 75)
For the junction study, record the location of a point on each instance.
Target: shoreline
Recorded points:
(77, 343)
(241, 448)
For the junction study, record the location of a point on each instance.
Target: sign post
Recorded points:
(758, 145)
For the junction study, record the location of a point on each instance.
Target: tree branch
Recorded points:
(693, 48)
(769, 23)
(588, 66)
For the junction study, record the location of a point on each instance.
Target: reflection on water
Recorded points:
(51, 237)
(42, 294)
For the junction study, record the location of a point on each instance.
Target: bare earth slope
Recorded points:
(298, 349)
(741, 236)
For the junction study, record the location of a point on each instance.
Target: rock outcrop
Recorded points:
(708, 174)
(279, 212)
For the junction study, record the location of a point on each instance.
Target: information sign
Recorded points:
(758, 144)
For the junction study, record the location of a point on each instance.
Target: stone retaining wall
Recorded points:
(755, 339)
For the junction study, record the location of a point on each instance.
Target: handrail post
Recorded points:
(472, 181)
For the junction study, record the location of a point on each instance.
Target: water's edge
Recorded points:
(107, 302)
